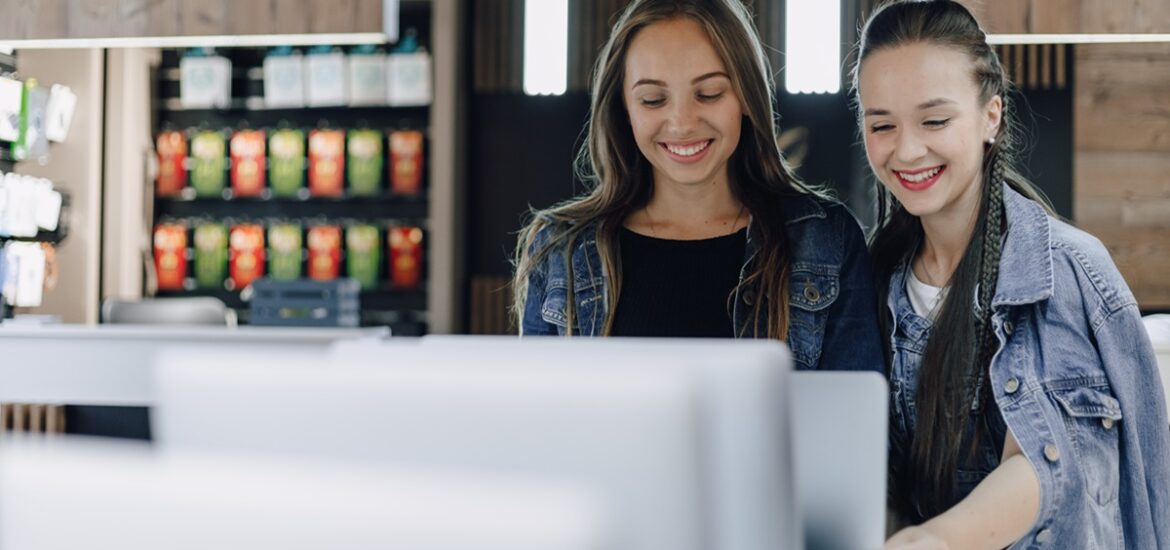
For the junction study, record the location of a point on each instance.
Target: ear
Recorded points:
(993, 114)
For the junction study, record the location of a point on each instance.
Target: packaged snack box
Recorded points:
(326, 163)
(324, 252)
(363, 254)
(284, 251)
(247, 254)
(211, 255)
(406, 162)
(286, 162)
(170, 255)
(172, 153)
(365, 162)
(208, 163)
(249, 170)
(405, 256)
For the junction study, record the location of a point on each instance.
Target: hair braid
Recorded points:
(992, 249)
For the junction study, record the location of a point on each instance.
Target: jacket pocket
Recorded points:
(1092, 416)
(811, 290)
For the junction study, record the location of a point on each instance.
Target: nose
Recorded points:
(910, 147)
(683, 118)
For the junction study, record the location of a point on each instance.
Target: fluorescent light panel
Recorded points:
(546, 47)
(218, 41)
(1077, 38)
(813, 46)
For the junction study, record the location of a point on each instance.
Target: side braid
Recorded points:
(992, 249)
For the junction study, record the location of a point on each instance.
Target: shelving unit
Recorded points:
(404, 310)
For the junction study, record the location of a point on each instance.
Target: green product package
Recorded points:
(364, 165)
(363, 254)
(211, 255)
(209, 163)
(285, 256)
(286, 162)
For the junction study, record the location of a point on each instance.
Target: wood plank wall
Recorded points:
(44, 19)
(1122, 166)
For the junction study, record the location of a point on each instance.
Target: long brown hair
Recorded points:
(953, 378)
(621, 180)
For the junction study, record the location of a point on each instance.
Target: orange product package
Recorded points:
(406, 162)
(327, 163)
(172, 155)
(405, 256)
(249, 169)
(170, 255)
(247, 254)
(324, 252)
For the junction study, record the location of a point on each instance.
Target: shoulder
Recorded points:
(817, 219)
(1080, 261)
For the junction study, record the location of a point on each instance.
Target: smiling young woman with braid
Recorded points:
(1026, 409)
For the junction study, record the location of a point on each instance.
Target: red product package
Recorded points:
(247, 254)
(406, 162)
(327, 163)
(249, 170)
(172, 154)
(324, 252)
(405, 256)
(170, 255)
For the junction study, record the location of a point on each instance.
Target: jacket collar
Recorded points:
(1025, 267)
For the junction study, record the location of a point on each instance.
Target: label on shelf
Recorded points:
(364, 164)
(172, 155)
(285, 251)
(363, 254)
(326, 163)
(170, 255)
(324, 252)
(211, 255)
(208, 163)
(406, 162)
(286, 149)
(248, 163)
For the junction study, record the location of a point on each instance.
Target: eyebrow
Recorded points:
(921, 106)
(696, 80)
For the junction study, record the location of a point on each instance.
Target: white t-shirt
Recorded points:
(924, 298)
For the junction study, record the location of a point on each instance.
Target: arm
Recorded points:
(998, 512)
(851, 340)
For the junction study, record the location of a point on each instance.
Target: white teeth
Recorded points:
(688, 151)
(921, 176)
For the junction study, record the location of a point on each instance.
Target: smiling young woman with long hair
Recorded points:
(1026, 408)
(694, 225)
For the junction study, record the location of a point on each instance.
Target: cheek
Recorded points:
(876, 150)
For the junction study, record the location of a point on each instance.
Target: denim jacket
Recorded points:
(1075, 380)
(833, 313)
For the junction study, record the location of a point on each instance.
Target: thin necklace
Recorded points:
(654, 232)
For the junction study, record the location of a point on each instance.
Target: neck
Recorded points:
(695, 211)
(946, 234)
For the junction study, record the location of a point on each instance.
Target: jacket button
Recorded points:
(1043, 536)
(749, 296)
(1051, 452)
(1012, 385)
(1008, 327)
(811, 293)
(1107, 423)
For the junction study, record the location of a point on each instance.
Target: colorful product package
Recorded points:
(363, 254)
(172, 153)
(170, 255)
(247, 254)
(208, 163)
(285, 251)
(211, 255)
(406, 162)
(364, 164)
(286, 162)
(324, 252)
(249, 170)
(405, 256)
(326, 163)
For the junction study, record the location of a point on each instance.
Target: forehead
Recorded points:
(673, 50)
(901, 77)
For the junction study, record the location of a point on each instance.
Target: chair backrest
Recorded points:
(168, 311)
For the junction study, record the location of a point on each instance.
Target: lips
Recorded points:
(919, 180)
(687, 152)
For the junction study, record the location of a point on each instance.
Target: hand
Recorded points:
(916, 538)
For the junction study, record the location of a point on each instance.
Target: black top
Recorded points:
(678, 288)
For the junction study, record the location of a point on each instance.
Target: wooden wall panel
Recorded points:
(49, 19)
(1072, 16)
(1122, 140)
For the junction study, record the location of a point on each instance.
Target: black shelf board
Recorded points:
(357, 208)
(381, 299)
(239, 115)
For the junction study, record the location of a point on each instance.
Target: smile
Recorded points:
(918, 180)
(686, 152)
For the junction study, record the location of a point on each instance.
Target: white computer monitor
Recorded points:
(631, 433)
(67, 496)
(840, 441)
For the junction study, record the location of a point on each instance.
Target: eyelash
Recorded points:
(934, 124)
(702, 97)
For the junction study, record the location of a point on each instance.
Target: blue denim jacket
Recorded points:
(833, 312)
(1075, 380)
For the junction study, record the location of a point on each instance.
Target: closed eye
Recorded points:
(879, 128)
(652, 102)
(939, 123)
(710, 97)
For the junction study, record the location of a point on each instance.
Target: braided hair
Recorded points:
(953, 381)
